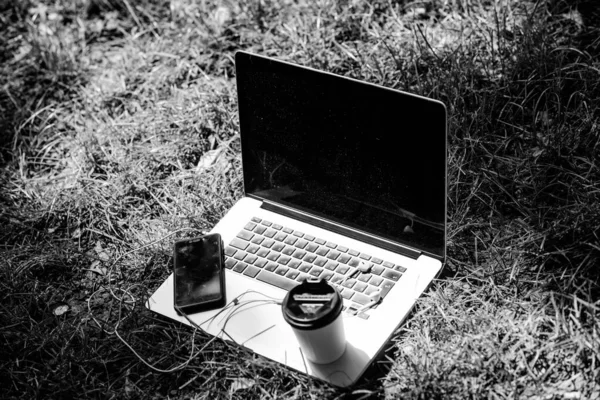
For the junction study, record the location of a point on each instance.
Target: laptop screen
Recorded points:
(358, 154)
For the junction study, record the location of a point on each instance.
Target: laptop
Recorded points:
(336, 172)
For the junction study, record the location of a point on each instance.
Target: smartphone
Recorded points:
(199, 274)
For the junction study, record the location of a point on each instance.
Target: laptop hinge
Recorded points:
(341, 229)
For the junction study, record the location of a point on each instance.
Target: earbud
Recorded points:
(375, 297)
(364, 267)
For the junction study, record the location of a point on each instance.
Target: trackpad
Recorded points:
(249, 319)
(259, 325)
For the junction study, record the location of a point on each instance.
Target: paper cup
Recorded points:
(314, 311)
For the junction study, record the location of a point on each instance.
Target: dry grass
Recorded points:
(118, 133)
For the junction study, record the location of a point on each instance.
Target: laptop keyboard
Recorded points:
(284, 257)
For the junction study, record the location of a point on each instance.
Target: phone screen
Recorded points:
(198, 271)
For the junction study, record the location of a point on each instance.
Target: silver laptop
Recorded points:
(336, 171)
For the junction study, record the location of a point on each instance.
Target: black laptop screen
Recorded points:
(360, 155)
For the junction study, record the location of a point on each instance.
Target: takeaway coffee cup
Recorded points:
(314, 311)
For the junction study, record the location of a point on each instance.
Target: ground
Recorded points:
(119, 134)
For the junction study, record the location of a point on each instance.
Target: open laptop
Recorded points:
(336, 171)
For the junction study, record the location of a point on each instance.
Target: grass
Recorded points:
(119, 133)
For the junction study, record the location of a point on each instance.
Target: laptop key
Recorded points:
(309, 258)
(255, 219)
(399, 268)
(284, 260)
(260, 262)
(369, 290)
(320, 241)
(301, 277)
(327, 275)
(304, 267)
(388, 264)
(260, 229)
(353, 253)
(331, 245)
(262, 252)
(280, 237)
(288, 230)
(349, 283)
(375, 280)
(240, 255)
(250, 226)
(230, 251)
(336, 279)
(290, 240)
(377, 269)
(386, 286)
(316, 272)
(268, 243)
(364, 256)
(376, 260)
(344, 258)
(282, 270)
(312, 247)
(266, 223)
(276, 280)
(393, 275)
(240, 266)
(322, 251)
(347, 293)
(294, 263)
(250, 259)
(331, 265)
(361, 299)
(299, 254)
(288, 250)
(251, 271)
(301, 243)
(342, 269)
(271, 266)
(245, 235)
(277, 226)
(364, 277)
(310, 238)
(292, 274)
(239, 243)
(342, 249)
(257, 239)
(320, 261)
(230, 263)
(272, 256)
(269, 233)
(278, 246)
(354, 262)
(252, 249)
(333, 254)
(360, 286)
(299, 234)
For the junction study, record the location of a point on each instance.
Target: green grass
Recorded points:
(111, 112)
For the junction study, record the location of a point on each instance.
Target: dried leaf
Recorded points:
(60, 310)
(241, 383)
(97, 268)
(213, 159)
(222, 15)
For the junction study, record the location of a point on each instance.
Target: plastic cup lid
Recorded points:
(311, 305)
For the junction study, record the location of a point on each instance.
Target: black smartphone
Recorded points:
(199, 274)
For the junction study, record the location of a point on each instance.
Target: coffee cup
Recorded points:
(314, 311)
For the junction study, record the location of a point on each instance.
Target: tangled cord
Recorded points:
(127, 300)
